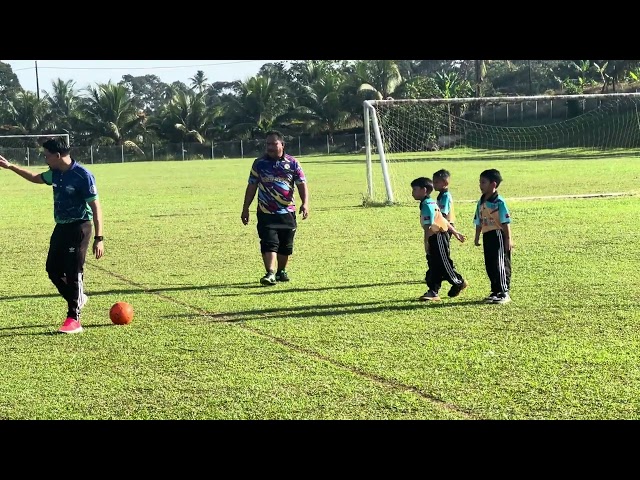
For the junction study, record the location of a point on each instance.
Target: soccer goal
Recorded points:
(25, 148)
(406, 139)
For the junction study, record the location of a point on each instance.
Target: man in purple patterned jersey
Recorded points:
(273, 176)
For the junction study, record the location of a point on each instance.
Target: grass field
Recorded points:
(346, 338)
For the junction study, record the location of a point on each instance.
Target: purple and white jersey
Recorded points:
(276, 180)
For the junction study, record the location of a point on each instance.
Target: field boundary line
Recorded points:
(560, 197)
(208, 316)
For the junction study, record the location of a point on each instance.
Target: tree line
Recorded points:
(307, 97)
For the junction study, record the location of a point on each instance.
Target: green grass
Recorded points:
(346, 338)
(526, 174)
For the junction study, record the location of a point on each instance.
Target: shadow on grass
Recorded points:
(25, 297)
(333, 310)
(253, 287)
(15, 331)
(130, 291)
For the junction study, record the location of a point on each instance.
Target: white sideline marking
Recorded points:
(582, 195)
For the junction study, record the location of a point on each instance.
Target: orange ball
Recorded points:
(121, 313)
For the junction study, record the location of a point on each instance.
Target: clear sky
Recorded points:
(89, 72)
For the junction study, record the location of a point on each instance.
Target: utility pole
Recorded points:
(37, 81)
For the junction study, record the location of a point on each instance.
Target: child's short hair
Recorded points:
(442, 173)
(423, 182)
(492, 175)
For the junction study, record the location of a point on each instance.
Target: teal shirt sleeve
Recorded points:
(427, 212)
(445, 207)
(47, 177)
(503, 210)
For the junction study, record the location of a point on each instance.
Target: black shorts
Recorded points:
(276, 232)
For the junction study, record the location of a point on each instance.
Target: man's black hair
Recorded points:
(57, 145)
(278, 134)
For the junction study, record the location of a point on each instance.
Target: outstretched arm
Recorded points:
(23, 172)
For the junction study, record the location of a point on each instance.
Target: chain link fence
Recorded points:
(296, 146)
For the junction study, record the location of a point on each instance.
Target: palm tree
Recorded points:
(378, 78)
(326, 108)
(26, 114)
(187, 117)
(259, 105)
(112, 118)
(308, 72)
(63, 105)
(199, 81)
(172, 89)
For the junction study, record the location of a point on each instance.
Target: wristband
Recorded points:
(98, 238)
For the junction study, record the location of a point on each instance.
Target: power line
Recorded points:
(139, 68)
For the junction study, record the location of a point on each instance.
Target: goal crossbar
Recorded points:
(517, 99)
(19, 149)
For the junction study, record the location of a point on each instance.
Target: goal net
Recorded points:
(26, 149)
(406, 139)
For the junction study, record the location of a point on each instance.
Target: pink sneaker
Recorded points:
(70, 325)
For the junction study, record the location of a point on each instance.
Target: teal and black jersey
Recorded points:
(445, 202)
(428, 211)
(72, 190)
(491, 213)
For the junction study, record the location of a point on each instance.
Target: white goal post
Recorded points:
(25, 146)
(409, 136)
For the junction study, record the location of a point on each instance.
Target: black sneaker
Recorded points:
(429, 296)
(268, 279)
(282, 276)
(492, 297)
(502, 297)
(455, 290)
